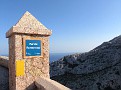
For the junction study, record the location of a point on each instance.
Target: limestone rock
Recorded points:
(98, 69)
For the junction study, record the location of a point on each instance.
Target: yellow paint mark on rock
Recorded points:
(20, 68)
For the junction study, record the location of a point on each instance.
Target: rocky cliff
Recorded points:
(98, 69)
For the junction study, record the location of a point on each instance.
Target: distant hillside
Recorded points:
(98, 69)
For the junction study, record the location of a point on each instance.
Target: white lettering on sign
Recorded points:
(33, 44)
(32, 47)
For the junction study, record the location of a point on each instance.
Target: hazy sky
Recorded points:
(77, 25)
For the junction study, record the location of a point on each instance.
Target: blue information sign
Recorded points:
(33, 47)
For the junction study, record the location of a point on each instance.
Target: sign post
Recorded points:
(28, 53)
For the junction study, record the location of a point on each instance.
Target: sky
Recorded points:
(77, 25)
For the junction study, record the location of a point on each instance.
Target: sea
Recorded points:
(54, 56)
(57, 56)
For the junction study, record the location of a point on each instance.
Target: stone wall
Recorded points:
(43, 83)
(4, 61)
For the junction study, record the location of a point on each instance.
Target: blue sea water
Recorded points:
(54, 56)
(57, 56)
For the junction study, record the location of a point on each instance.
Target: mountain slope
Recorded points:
(98, 69)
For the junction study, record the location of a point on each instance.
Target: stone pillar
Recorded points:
(26, 62)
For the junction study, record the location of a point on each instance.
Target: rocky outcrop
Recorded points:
(4, 73)
(98, 69)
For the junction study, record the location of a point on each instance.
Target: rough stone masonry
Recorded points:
(27, 27)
